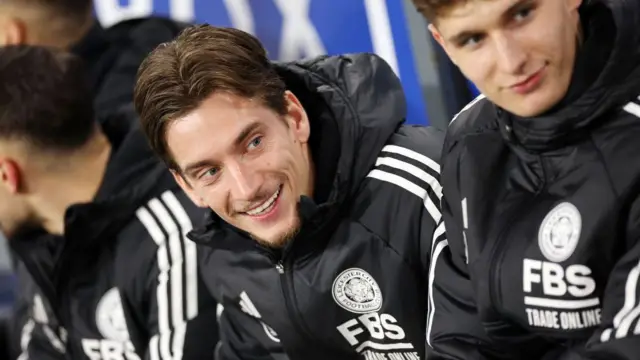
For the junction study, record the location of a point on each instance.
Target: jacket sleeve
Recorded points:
(168, 311)
(454, 330)
(618, 336)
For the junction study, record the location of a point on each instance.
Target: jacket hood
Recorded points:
(354, 103)
(133, 176)
(113, 55)
(134, 172)
(606, 75)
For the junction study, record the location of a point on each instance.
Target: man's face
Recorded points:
(249, 164)
(519, 53)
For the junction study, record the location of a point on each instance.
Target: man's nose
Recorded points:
(244, 181)
(511, 57)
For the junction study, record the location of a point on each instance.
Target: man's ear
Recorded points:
(186, 187)
(297, 118)
(440, 40)
(14, 31)
(10, 175)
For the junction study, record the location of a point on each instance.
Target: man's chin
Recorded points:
(277, 241)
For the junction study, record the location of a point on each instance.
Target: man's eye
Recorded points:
(255, 142)
(210, 173)
(523, 13)
(471, 41)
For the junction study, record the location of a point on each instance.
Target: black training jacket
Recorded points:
(123, 283)
(112, 56)
(541, 258)
(352, 284)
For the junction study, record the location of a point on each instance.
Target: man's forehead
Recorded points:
(472, 11)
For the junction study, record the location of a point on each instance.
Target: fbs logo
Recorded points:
(247, 307)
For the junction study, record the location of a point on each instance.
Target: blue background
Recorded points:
(341, 24)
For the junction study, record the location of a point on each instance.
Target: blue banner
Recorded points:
(291, 29)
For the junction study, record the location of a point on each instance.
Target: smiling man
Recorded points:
(540, 179)
(324, 203)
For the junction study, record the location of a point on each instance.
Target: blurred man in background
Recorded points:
(97, 223)
(323, 202)
(112, 55)
(541, 182)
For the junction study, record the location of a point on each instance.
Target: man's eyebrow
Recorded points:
(242, 136)
(504, 18)
(514, 8)
(461, 36)
(193, 167)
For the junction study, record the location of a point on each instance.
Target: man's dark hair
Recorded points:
(431, 9)
(177, 76)
(45, 98)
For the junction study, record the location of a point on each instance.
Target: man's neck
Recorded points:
(77, 182)
(66, 40)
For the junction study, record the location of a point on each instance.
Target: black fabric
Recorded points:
(541, 249)
(282, 304)
(114, 54)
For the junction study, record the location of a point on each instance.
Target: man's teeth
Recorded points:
(265, 206)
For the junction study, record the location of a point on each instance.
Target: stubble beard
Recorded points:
(283, 239)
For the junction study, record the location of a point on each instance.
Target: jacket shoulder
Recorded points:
(424, 140)
(403, 181)
(477, 117)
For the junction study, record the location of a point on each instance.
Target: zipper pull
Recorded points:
(280, 267)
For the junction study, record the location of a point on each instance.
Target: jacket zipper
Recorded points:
(286, 283)
(497, 252)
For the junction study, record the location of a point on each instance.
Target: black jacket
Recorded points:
(540, 259)
(113, 55)
(123, 279)
(352, 283)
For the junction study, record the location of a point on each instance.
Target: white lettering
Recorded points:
(370, 355)
(372, 328)
(556, 280)
(350, 334)
(552, 279)
(299, 37)
(182, 10)
(394, 331)
(373, 355)
(372, 323)
(580, 320)
(111, 12)
(582, 284)
(528, 276)
(241, 15)
(109, 350)
(543, 318)
(565, 320)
